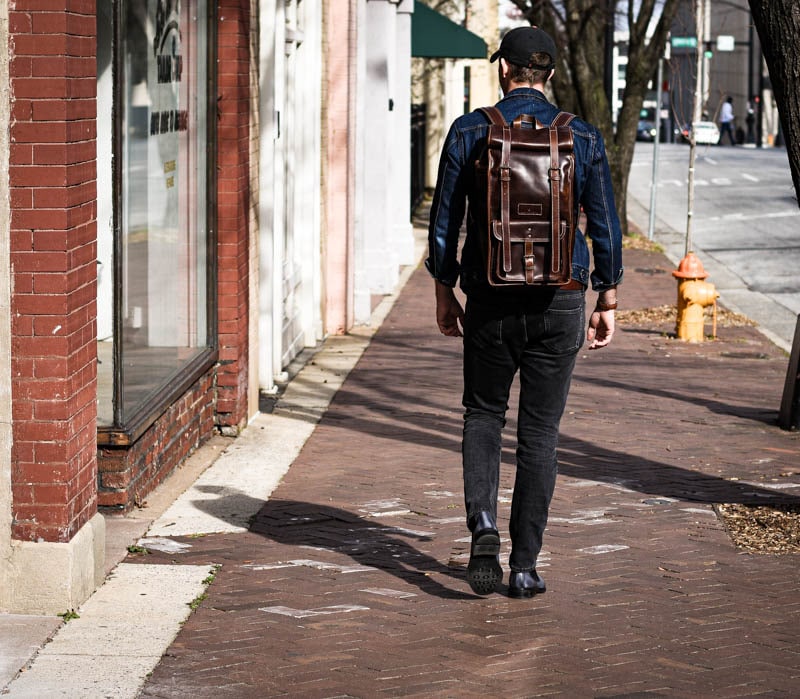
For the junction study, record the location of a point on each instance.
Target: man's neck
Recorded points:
(515, 86)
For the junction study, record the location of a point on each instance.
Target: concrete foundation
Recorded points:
(52, 578)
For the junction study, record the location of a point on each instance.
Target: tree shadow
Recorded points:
(312, 525)
(582, 459)
(578, 458)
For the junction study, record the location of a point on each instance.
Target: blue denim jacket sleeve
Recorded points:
(447, 211)
(602, 222)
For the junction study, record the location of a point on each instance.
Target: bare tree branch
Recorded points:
(581, 29)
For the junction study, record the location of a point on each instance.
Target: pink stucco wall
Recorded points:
(339, 29)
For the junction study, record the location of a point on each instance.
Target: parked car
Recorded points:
(707, 133)
(646, 131)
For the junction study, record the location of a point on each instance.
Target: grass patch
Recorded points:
(636, 241)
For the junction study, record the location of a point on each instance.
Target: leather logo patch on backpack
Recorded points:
(529, 209)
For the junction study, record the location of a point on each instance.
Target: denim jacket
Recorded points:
(592, 188)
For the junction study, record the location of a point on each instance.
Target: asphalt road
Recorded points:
(745, 229)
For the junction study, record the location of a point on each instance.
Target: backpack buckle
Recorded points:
(530, 263)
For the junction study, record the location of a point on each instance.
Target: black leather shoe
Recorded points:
(484, 572)
(525, 584)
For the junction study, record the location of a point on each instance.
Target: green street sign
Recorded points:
(684, 42)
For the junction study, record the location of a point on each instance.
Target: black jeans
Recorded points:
(538, 336)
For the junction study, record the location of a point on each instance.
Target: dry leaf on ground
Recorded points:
(668, 314)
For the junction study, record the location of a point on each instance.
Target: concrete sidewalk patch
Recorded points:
(21, 636)
(119, 637)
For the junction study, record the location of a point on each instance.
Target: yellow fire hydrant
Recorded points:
(693, 296)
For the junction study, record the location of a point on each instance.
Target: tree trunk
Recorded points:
(778, 26)
(581, 29)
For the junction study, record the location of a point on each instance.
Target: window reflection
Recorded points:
(105, 216)
(160, 293)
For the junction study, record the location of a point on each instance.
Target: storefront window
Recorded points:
(156, 278)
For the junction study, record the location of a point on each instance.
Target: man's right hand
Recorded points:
(449, 313)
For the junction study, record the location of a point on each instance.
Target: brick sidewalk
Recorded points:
(350, 582)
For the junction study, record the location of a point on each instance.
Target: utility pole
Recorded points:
(656, 143)
(706, 60)
(694, 294)
(700, 15)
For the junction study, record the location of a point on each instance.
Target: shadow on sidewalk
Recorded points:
(752, 413)
(439, 431)
(582, 459)
(366, 541)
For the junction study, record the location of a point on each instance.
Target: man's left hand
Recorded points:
(601, 329)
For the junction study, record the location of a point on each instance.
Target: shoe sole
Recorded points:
(483, 571)
(524, 593)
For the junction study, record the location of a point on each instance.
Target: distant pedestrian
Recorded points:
(726, 119)
(536, 331)
(751, 122)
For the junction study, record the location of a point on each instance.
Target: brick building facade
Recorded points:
(164, 226)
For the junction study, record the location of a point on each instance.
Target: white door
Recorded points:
(293, 124)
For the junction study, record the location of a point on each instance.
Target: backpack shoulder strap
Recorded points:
(493, 114)
(562, 119)
(495, 118)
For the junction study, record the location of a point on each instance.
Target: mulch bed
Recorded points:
(763, 529)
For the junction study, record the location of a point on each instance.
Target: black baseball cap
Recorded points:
(519, 44)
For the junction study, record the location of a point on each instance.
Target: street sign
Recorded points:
(726, 42)
(684, 42)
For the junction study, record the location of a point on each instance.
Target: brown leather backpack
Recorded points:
(524, 196)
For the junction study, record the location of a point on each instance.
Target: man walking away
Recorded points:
(536, 331)
(726, 121)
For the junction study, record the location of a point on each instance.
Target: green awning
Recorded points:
(435, 36)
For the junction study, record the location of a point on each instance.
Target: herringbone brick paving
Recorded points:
(350, 582)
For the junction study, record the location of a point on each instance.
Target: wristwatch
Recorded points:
(600, 306)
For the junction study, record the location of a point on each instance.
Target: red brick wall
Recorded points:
(53, 198)
(54, 260)
(233, 199)
(128, 475)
